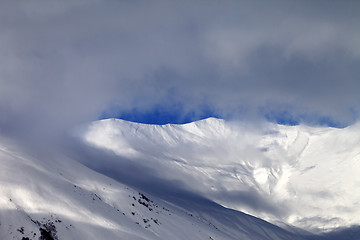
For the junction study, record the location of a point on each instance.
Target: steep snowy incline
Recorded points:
(299, 175)
(58, 198)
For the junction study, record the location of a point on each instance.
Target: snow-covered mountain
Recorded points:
(167, 182)
(303, 176)
(58, 198)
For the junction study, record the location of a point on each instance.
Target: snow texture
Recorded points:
(59, 198)
(298, 175)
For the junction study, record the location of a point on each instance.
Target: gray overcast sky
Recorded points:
(66, 62)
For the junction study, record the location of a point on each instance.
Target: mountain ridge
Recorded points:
(139, 181)
(226, 161)
(59, 198)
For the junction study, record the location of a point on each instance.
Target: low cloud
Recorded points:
(63, 63)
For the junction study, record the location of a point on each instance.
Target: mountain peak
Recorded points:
(228, 163)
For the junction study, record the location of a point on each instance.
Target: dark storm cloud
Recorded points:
(65, 62)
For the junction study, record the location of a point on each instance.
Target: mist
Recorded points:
(70, 62)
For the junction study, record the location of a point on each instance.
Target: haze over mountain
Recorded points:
(299, 175)
(58, 198)
(173, 177)
(65, 64)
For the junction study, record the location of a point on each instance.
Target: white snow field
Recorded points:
(58, 198)
(302, 176)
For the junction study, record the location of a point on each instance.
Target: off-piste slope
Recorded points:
(299, 175)
(55, 197)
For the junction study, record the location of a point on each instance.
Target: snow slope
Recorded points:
(58, 198)
(298, 175)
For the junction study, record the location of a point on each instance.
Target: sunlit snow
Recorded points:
(307, 176)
